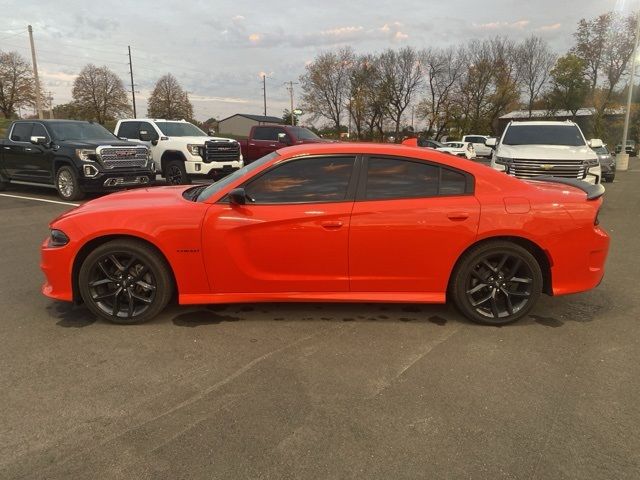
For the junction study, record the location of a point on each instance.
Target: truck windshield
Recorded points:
(80, 131)
(302, 133)
(568, 135)
(223, 182)
(180, 129)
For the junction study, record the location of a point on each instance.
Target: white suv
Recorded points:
(479, 145)
(181, 151)
(529, 149)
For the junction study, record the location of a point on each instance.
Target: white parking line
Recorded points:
(39, 199)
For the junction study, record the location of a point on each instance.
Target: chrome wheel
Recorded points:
(122, 285)
(499, 285)
(66, 184)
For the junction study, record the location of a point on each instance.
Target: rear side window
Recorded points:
(21, 132)
(393, 178)
(129, 130)
(308, 180)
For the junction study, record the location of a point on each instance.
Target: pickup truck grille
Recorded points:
(122, 157)
(523, 168)
(221, 151)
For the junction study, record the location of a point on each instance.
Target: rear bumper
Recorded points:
(578, 265)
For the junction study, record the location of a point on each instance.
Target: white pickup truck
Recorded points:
(559, 149)
(181, 151)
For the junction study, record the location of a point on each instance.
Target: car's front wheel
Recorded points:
(67, 184)
(496, 283)
(125, 282)
(176, 173)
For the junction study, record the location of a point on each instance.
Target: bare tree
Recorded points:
(325, 85)
(591, 40)
(99, 94)
(535, 61)
(17, 85)
(401, 73)
(367, 102)
(443, 69)
(169, 100)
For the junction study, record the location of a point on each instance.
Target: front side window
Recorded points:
(21, 132)
(266, 133)
(129, 130)
(147, 127)
(308, 180)
(392, 178)
(39, 131)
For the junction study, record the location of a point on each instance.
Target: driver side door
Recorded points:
(292, 236)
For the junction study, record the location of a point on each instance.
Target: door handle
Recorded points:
(252, 144)
(331, 224)
(27, 149)
(272, 144)
(457, 216)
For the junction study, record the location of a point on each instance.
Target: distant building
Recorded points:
(240, 124)
(583, 116)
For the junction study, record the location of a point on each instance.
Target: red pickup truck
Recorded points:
(264, 139)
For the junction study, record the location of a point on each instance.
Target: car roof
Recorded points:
(542, 122)
(151, 120)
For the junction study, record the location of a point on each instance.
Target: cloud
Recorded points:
(547, 28)
(517, 25)
(399, 36)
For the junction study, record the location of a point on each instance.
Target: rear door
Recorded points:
(15, 151)
(410, 222)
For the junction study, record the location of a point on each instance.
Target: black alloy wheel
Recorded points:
(497, 283)
(176, 173)
(125, 282)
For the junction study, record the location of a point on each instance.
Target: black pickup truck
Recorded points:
(75, 157)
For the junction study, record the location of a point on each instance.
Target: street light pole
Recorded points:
(622, 159)
(264, 92)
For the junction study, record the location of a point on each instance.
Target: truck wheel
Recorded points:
(175, 173)
(67, 184)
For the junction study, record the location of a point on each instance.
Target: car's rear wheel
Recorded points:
(496, 283)
(125, 282)
(176, 174)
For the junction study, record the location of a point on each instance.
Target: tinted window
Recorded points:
(267, 133)
(302, 133)
(390, 178)
(543, 135)
(476, 139)
(39, 131)
(80, 131)
(21, 132)
(128, 130)
(147, 127)
(309, 180)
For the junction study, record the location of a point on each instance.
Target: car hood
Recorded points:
(546, 152)
(199, 140)
(152, 199)
(96, 143)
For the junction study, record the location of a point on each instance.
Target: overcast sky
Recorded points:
(218, 49)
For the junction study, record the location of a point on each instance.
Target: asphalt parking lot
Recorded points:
(358, 391)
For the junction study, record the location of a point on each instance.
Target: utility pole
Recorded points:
(290, 85)
(133, 91)
(412, 114)
(50, 99)
(622, 160)
(35, 73)
(264, 92)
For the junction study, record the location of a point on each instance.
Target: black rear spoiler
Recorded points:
(593, 191)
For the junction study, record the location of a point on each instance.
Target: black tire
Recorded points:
(67, 184)
(496, 283)
(125, 282)
(175, 173)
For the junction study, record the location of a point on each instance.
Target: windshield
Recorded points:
(602, 150)
(568, 135)
(80, 131)
(180, 129)
(430, 143)
(303, 133)
(223, 182)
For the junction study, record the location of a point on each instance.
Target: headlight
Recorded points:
(504, 160)
(194, 149)
(58, 238)
(86, 154)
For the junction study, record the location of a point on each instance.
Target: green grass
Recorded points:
(4, 124)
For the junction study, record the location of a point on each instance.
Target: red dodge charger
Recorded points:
(337, 223)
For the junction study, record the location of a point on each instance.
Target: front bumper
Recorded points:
(117, 179)
(57, 264)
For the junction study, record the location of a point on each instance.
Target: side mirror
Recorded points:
(38, 140)
(145, 136)
(595, 143)
(284, 138)
(154, 142)
(237, 196)
(491, 142)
